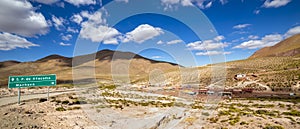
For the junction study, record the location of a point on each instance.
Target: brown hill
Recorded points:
(8, 63)
(289, 47)
(101, 64)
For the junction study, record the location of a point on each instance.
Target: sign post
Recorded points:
(19, 94)
(48, 93)
(31, 81)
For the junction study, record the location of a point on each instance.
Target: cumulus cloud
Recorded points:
(256, 11)
(209, 47)
(94, 18)
(253, 37)
(241, 26)
(275, 3)
(81, 2)
(160, 42)
(72, 30)
(223, 2)
(292, 31)
(48, 2)
(211, 53)
(142, 33)
(10, 41)
(203, 4)
(58, 22)
(64, 44)
(207, 44)
(111, 41)
(66, 37)
(20, 17)
(174, 42)
(268, 40)
(99, 33)
(76, 18)
(96, 30)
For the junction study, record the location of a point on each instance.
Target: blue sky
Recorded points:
(188, 32)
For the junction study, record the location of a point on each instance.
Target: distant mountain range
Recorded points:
(100, 63)
(289, 47)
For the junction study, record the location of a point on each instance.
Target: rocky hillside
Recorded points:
(289, 47)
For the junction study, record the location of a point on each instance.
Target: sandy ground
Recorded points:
(35, 114)
(96, 114)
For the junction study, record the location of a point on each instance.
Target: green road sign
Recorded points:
(31, 81)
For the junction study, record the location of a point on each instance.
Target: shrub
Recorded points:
(244, 123)
(292, 113)
(60, 109)
(273, 127)
(74, 108)
(205, 113)
(224, 113)
(234, 120)
(79, 102)
(42, 100)
(65, 102)
(213, 120)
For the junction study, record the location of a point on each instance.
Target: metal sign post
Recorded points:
(48, 93)
(19, 95)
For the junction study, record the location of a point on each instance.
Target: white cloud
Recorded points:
(96, 30)
(64, 44)
(94, 18)
(20, 17)
(69, 29)
(203, 4)
(156, 57)
(142, 33)
(268, 40)
(10, 41)
(48, 2)
(76, 18)
(241, 26)
(208, 5)
(66, 37)
(81, 2)
(160, 42)
(186, 3)
(223, 2)
(208, 44)
(253, 37)
(111, 41)
(58, 22)
(256, 11)
(275, 3)
(61, 4)
(211, 53)
(292, 31)
(174, 42)
(219, 38)
(99, 33)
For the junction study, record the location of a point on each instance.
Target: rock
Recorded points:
(5, 113)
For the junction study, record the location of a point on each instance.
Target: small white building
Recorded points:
(240, 75)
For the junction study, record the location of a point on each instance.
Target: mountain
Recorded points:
(8, 63)
(289, 47)
(100, 65)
